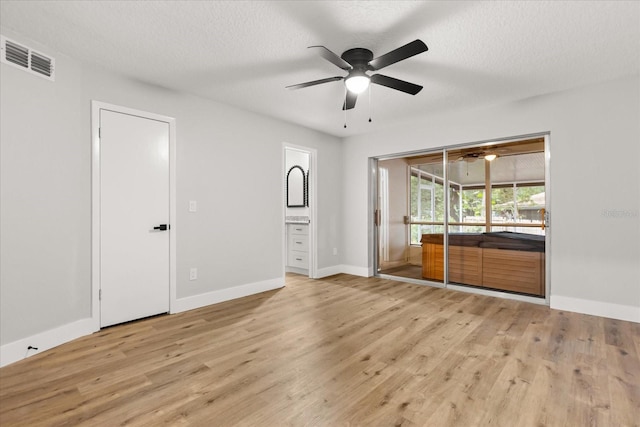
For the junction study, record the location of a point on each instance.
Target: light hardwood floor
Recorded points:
(334, 352)
(408, 270)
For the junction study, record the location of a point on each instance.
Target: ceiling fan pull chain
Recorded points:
(370, 111)
(345, 107)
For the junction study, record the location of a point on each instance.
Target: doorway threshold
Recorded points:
(499, 294)
(468, 289)
(411, 280)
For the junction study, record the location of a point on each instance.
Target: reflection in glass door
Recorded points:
(395, 255)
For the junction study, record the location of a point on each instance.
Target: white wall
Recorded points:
(595, 164)
(229, 161)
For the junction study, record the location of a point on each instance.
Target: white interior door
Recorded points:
(134, 204)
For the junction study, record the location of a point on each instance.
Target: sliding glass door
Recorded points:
(470, 216)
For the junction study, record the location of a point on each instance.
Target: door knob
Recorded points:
(162, 227)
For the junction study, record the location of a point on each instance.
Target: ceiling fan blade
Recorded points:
(404, 52)
(333, 58)
(315, 82)
(396, 84)
(350, 101)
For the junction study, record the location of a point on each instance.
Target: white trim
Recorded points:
(95, 213)
(356, 271)
(629, 313)
(17, 350)
(283, 204)
(214, 297)
(96, 106)
(313, 210)
(173, 216)
(329, 271)
(296, 270)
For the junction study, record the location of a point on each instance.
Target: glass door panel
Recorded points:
(396, 254)
(427, 208)
(467, 217)
(498, 241)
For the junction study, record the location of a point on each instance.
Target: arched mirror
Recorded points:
(296, 187)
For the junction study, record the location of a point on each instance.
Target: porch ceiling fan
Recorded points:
(488, 153)
(358, 62)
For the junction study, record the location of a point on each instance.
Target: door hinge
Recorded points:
(100, 295)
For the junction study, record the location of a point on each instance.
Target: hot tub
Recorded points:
(500, 260)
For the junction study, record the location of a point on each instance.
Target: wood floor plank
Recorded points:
(339, 351)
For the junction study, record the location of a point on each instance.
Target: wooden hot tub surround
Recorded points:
(502, 260)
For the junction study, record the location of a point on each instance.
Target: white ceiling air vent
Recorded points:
(27, 59)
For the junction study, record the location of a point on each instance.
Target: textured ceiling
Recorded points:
(244, 53)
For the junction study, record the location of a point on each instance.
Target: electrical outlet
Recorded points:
(193, 206)
(193, 274)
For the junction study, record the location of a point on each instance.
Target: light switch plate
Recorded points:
(193, 206)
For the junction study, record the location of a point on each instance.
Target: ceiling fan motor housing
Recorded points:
(358, 58)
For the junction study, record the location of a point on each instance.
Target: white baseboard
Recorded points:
(328, 271)
(303, 271)
(17, 350)
(596, 308)
(214, 297)
(356, 271)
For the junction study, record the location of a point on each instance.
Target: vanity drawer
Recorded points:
(299, 242)
(299, 229)
(298, 259)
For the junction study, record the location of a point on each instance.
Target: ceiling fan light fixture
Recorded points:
(357, 83)
(490, 157)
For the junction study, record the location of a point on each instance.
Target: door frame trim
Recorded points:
(96, 106)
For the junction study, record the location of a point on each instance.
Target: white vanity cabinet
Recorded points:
(298, 246)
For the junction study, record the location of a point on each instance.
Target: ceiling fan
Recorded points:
(470, 157)
(488, 153)
(358, 61)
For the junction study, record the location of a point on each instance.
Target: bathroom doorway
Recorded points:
(299, 201)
